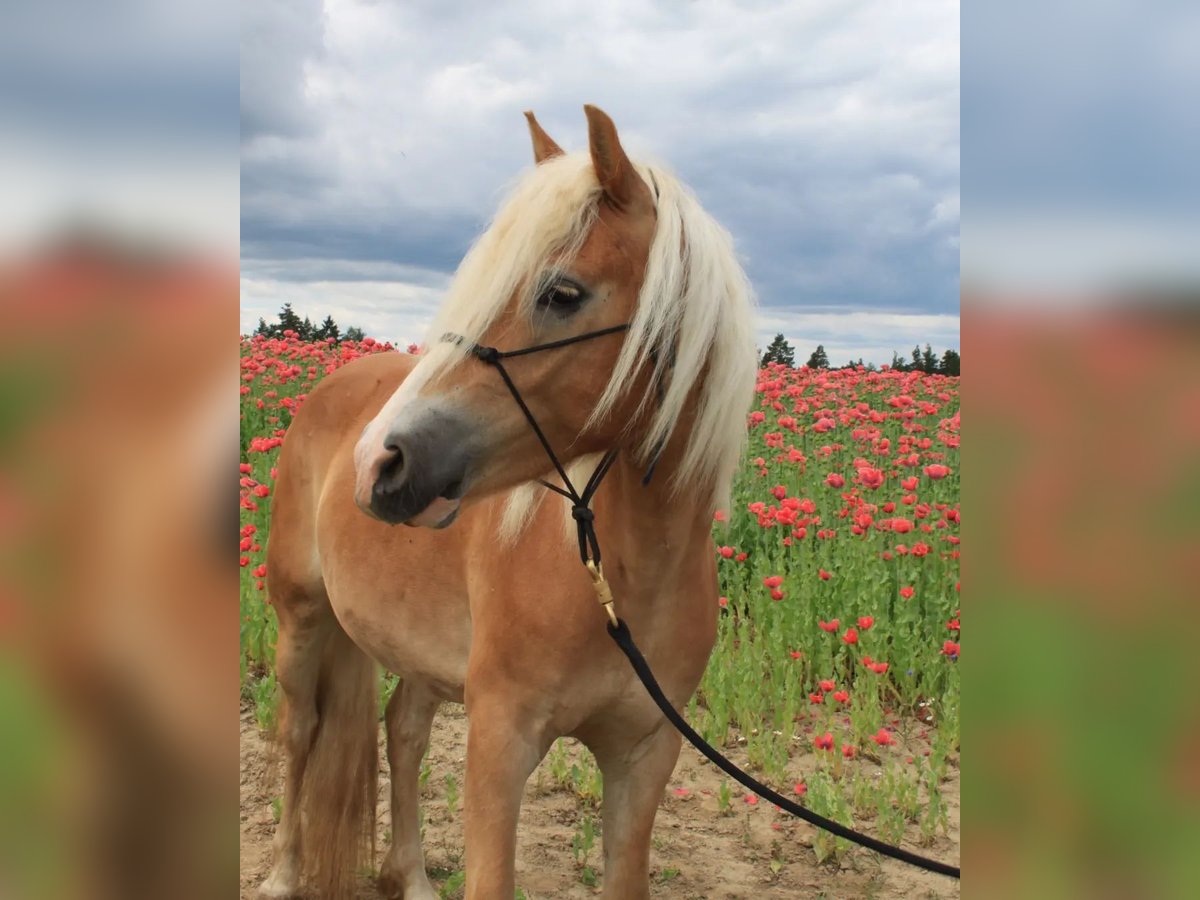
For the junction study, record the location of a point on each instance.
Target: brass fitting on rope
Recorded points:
(603, 591)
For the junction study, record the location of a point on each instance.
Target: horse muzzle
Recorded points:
(416, 476)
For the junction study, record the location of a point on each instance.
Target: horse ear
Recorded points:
(544, 147)
(620, 181)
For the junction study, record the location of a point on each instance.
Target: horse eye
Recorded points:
(562, 296)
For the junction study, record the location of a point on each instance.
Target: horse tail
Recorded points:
(341, 777)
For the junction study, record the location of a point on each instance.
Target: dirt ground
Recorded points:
(697, 852)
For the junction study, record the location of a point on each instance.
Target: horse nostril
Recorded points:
(393, 466)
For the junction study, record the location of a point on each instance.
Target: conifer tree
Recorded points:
(779, 351)
(288, 320)
(950, 363)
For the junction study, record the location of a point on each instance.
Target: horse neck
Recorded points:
(654, 527)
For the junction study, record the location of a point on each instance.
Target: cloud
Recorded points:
(824, 136)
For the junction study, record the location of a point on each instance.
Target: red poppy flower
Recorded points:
(878, 667)
(816, 699)
(937, 471)
(953, 625)
(907, 592)
(741, 557)
(824, 741)
(848, 751)
(776, 594)
(750, 799)
(800, 789)
(841, 696)
(823, 575)
(851, 636)
(796, 654)
(773, 581)
(726, 552)
(826, 685)
(865, 622)
(870, 477)
(834, 480)
(950, 649)
(883, 738)
(831, 626)
(261, 572)
(724, 601)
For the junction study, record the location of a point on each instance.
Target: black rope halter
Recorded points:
(581, 512)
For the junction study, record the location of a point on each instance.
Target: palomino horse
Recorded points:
(496, 611)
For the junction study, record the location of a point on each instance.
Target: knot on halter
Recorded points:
(585, 524)
(489, 355)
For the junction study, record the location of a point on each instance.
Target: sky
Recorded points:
(378, 138)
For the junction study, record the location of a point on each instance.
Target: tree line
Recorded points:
(780, 351)
(305, 329)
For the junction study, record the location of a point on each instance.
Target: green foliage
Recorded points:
(819, 359)
(725, 799)
(581, 845)
(266, 702)
(453, 884)
(451, 794)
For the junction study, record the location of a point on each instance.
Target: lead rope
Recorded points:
(589, 554)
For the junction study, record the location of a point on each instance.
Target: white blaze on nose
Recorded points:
(371, 453)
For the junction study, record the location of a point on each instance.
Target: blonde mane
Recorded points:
(693, 320)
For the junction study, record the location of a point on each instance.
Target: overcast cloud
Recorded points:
(378, 138)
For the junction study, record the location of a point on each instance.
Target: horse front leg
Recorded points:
(502, 752)
(635, 774)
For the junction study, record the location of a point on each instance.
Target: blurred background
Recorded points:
(1081, 327)
(118, 314)
(118, 423)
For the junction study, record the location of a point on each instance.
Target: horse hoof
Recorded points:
(275, 888)
(392, 887)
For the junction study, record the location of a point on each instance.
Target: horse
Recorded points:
(481, 601)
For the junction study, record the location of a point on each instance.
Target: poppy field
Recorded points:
(835, 672)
